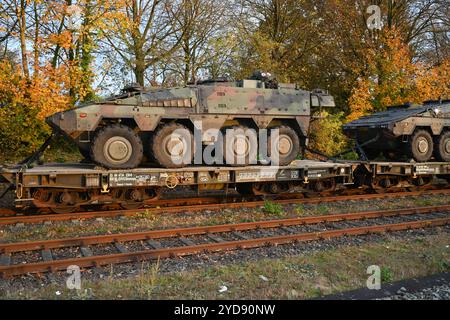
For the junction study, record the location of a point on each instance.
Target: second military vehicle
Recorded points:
(416, 132)
(154, 124)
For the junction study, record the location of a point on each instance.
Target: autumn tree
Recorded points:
(200, 23)
(144, 33)
(393, 78)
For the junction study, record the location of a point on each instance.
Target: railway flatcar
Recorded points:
(76, 187)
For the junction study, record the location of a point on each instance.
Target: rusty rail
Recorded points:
(211, 204)
(89, 261)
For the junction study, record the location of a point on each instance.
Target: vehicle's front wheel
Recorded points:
(117, 147)
(420, 146)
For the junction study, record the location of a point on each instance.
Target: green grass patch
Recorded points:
(273, 208)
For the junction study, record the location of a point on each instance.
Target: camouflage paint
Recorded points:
(213, 104)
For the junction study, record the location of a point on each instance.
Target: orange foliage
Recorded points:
(25, 104)
(46, 92)
(392, 78)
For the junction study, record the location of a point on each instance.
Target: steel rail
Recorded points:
(92, 261)
(190, 231)
(28, 219)
(7, 212)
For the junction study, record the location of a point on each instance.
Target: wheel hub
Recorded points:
(174, 145)
(284, 145)
(241, 146)
(423, 145)
(135, 195)
(67, 198)
(118, 150)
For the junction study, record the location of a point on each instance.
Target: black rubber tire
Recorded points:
(85, 151)
(124, 132)
(159, 153)
(414, 146)
(441, 147)
(295, 149)
(226, 149)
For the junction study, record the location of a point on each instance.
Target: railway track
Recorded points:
(85, 252)
(206, 203)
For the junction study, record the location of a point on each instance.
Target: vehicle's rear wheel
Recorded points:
(420, 146)
(173, 146)
(287, 145)
(442, 147)
(117, 147)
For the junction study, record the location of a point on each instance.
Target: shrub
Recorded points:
(327, 136)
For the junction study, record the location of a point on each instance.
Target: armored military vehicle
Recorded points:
(417, 132)
(154, 124)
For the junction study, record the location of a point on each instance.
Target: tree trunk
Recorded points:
(139, 70)
(23, 45)
(187, 62)
(86, 54)
(36, 41)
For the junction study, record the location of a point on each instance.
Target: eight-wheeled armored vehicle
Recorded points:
(415, 131)
(154, 124)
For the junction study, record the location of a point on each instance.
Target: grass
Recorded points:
(424, 202)
(305, 276)
(299, 209)
(273, 208)
(386, 274)
(322, 209)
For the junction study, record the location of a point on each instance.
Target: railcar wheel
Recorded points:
(132, 205)
(442, 147)
(239, 146)
(133, 199)
(252, 189)
(63, 210)
(287, 145)
(245, 189)
(66, 202)
(420, 146)
(173, 146)
(381, 184)
(117, 147)
(423, 181)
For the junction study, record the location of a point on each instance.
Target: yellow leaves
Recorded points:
(327, 136)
